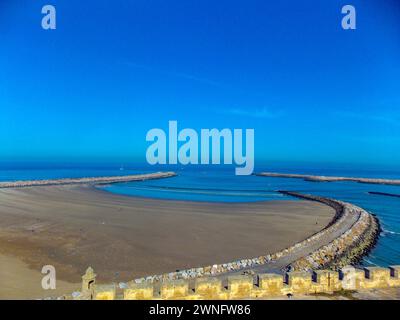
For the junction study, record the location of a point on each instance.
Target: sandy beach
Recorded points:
(72, 227)
(18, 281)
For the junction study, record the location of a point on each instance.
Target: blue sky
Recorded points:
(112, 70)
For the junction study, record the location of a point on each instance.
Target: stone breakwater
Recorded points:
(347, 249)
(329, 178)
(93, 180)
(360, 233)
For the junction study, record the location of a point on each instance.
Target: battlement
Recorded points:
(248, 286)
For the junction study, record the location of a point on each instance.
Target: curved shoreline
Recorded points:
(312, 178)
(92, 180)
(347, 249)
(125, 237)
(351, 234)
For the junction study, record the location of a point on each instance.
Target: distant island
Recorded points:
(329, 178)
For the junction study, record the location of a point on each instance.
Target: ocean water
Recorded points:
(219, 184)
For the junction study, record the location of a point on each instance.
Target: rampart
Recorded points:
(262, 286)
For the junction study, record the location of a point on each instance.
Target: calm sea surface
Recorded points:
(221, 185)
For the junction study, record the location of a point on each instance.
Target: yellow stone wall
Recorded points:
(266, 285)
(177, 289)
(209, 288)
(104, 292)
(142, 291)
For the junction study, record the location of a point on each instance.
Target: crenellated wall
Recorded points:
(249, 287)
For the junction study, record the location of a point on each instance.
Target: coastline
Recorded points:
(51, 223)
(73, 226)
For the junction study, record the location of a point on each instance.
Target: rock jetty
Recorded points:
(348, 248)
(93, 180)
(357, 232)
(329, 178)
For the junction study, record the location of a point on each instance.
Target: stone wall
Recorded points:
(249, 287)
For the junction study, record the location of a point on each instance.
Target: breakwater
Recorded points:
(350, 246)
(330, 178)
(345, 240)
(92, 180)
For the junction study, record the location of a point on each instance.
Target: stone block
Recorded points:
(209, 288)
(376, 277)
(299, 282)
(139, 291)
(176, 289)
(395, 271)
(104, 292)
(240, 286)
(352, 278)
(326, 281)
(271, 284)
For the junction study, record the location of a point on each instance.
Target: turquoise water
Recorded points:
(221, 185)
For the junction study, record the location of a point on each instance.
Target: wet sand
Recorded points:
(72, 227)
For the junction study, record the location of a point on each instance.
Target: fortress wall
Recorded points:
(248, 287)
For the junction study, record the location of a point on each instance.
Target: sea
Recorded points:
(220, 184)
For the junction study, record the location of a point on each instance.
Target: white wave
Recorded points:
(391, 232)
(370, 262)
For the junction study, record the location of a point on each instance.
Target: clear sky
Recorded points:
(112, 70)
